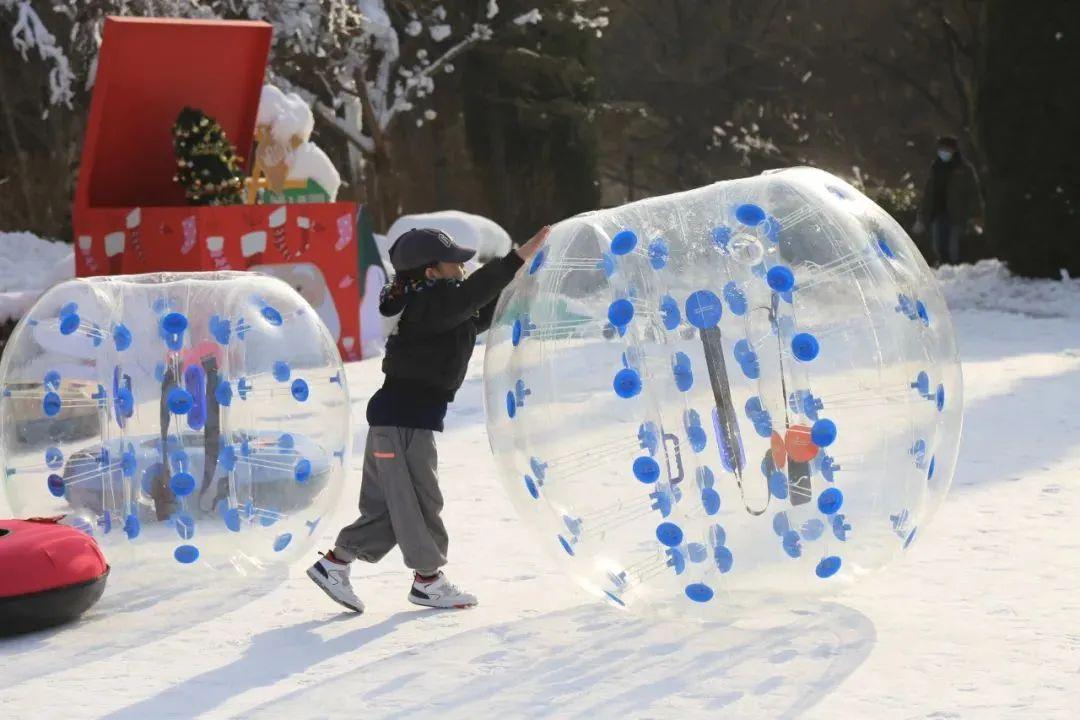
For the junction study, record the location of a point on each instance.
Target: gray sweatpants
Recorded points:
(400, 502)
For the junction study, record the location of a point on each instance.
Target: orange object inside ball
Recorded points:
(800, 447)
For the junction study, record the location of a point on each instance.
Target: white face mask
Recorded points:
(945, 155)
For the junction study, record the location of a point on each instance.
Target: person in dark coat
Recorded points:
(441, 313)
(951, 201)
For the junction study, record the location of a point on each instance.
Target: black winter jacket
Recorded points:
(961, 195)
(428, 353)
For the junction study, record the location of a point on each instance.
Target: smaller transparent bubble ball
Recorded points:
(192, 420)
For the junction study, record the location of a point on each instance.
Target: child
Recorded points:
(425, 363)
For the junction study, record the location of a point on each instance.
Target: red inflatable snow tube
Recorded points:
(49, 574)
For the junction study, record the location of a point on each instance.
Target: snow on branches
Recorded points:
(352, 59)
(29, 34)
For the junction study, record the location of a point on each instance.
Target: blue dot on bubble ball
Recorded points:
(646, 470)
(182, 484)
(703, 309)
(132, 526)
(125, 403)
(699, 592)
(920, 310)
(121, 337)
(530, 485)
(54, 458)
(721, 236)
(805, 347)
(232, 519)
(271, 315)
(56, 485)
(180, 401)
(299, 390)
(227, 458)
(174, 323)
(778, 485)
(670, 311)
(823, 433)
(827, 567)
(511, 404)
(710, 500)
(750, 214)
(282, 541)
(669, 534)
(780, 278)
(186, 554)
(69, 323)
(51, 404)
(538, 262)
(724, 559)
(627, 383)
(830, 501)
(282, 371)
(302, 471)
(736, 298)
(515, 336)
(884, 247)
(623, 242)
(621, 312)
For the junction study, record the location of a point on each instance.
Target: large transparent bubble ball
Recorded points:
(196, 419)
(734, 396)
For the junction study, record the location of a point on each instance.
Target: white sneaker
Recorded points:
(333, 578)
(440, 593)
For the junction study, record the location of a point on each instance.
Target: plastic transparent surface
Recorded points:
(732, 396)
(111, 391)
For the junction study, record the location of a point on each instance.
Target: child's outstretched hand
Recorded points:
(529, 249)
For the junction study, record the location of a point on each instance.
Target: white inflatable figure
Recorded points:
(729, 398)
(294, 122)
(272, 103)
(198, 420)
(270, 168)
(289, 167)
(309, 162)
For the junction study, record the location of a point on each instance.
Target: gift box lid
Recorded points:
(148, 70)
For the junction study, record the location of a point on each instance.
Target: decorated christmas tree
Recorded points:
(207, 164)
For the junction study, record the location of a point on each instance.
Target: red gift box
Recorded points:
(131, 217)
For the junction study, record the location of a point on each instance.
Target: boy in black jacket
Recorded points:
(426, 358)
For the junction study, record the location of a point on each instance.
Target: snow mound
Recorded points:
(29, 265)
(988, 285)
(479, 233)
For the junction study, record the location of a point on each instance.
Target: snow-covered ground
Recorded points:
(980, 620)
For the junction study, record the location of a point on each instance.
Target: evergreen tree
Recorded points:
(207, 164)
(1029, 113)
(528, 97)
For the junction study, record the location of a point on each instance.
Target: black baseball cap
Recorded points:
(421, 247)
